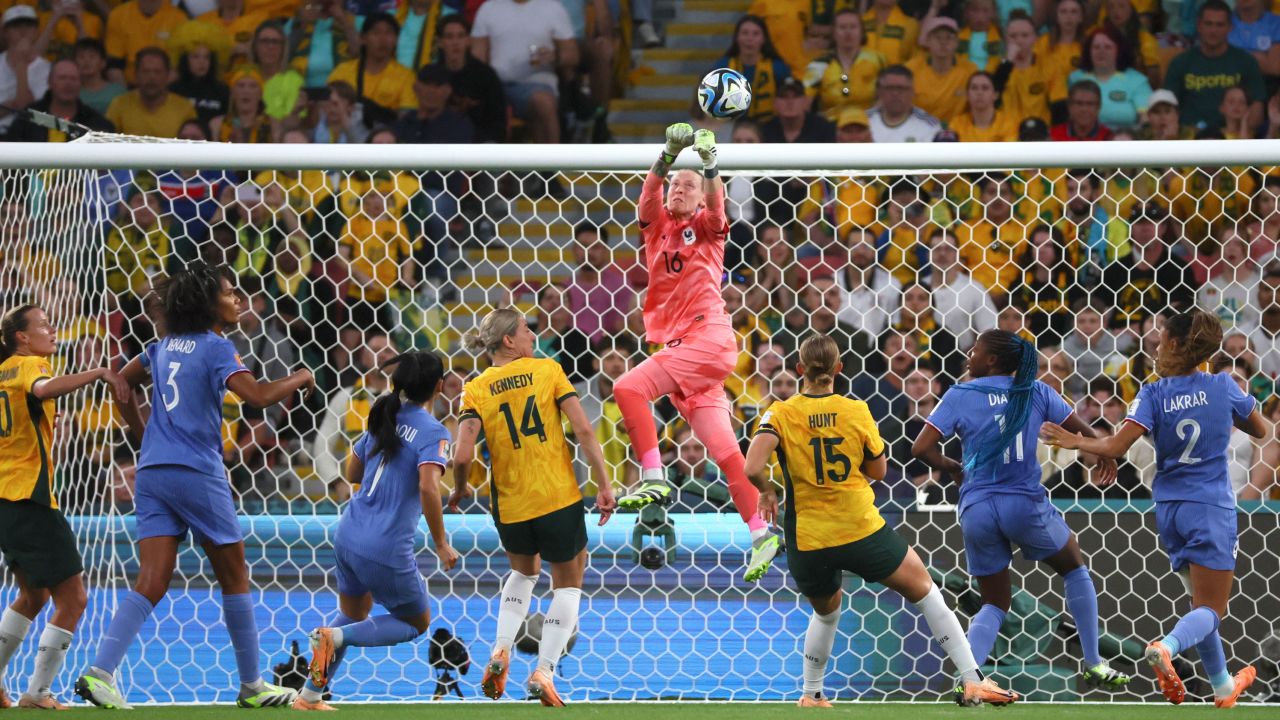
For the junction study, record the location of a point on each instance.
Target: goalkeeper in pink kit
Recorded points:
(683, 311)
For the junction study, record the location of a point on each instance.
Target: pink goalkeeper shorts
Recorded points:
(699, 363)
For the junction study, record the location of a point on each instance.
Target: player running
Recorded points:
(397, 464)
(684, 310)
(1189, 414)
(519, 403)
(830, 451)
(181, 482)
(35, 538)
(1002, 501)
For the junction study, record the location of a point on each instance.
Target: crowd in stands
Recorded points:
(437, 71)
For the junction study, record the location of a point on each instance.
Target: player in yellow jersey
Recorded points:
(35, 538)
(535, 500)
(830, 451)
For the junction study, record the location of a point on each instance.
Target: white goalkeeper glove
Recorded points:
(679, 137)
(704, 143)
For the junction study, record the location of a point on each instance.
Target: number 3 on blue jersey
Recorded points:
(172, 382)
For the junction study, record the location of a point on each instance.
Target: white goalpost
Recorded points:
(348, 252)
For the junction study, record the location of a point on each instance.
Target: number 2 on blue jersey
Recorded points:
(1186, 458)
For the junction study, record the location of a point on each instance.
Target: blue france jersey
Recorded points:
(971, 414)
(380, 521)
(189, 376)
(1190, 418)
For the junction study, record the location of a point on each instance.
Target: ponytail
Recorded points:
(415, 378)
(1020, 356)
(1196, 335)
(13, 322)
(819, 355)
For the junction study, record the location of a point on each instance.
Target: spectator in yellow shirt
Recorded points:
(245, 121)
(1120, 16)
(846, 78)
(786, 20)
(134, 26)
(979, 39)
(991, 245)
(377, 251)
(62, 26)
(941, 77)
(137, 247)
(237, 24)
(151, 110)
(982, 121)
(376, 76)
(1030, 86)
(1059, 49)
(891, 32)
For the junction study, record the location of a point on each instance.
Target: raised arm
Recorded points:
(429, 475)
(464, 453)
(679, 137)
(704, 142)
(265, 394)
(586, 435)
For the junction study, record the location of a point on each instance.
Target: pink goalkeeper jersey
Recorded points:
(685, 260)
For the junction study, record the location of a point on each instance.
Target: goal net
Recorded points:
(343, 266)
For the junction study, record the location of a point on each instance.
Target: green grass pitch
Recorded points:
(693, 710)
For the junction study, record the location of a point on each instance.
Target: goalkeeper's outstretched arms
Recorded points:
(679, 137)
(704, 143)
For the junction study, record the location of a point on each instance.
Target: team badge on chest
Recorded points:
(688, 236)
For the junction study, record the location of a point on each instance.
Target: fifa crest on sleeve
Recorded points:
(1133, 406)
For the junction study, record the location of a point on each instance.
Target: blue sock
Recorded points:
(133, 611)
(983, 630)
(1215, 659)
(237, 613)
(1191, 629)
(1082, 603)
(339, 620)
(378, 631)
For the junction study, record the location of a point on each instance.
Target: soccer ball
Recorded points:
(724, 93)
(530, 635)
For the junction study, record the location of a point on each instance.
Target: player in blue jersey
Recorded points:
(1189, 414)
(398, 464)
(997, 416)
(181, 483)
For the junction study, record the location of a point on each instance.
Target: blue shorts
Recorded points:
(520, 93)
(992, 525)
(1193, 532)
(399, 589)
(169, 500)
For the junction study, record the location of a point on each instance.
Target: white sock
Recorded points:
(311, 696)
(759, 533)
(54, 642)
(817, 650)
(652, 475)
(1225, 689)
(947, 631)
(516, 592)
(336, 634)
(13, 628)
(561, 622)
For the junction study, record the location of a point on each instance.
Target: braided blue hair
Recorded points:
(1015, 354)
